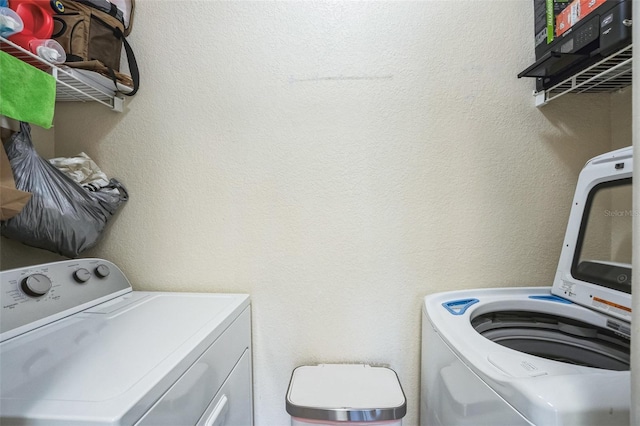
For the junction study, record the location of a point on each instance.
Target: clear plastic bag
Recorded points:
(61, 216)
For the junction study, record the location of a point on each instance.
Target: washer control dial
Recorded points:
(102, 271)
(82, 275)
(36, 285)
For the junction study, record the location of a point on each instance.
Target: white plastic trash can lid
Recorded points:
(345, 392)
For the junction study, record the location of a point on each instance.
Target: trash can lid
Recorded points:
(345, 392)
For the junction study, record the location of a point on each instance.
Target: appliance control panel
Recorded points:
(586, 34)
(34, 296)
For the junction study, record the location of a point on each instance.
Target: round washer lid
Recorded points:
(345, 392)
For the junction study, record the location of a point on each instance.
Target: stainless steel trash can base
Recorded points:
(345, 394)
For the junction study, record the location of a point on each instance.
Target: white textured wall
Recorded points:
(338, 161)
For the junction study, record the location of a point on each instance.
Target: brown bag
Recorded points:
(94, 30)
(12, 200)
(100, 68)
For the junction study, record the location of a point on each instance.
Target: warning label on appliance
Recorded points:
(611, 307)
(568, 288)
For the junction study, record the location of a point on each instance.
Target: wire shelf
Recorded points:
(611, 74)
(68, 86)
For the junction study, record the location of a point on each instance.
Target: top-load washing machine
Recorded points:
(543, 355)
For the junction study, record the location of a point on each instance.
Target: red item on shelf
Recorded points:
(37, 17)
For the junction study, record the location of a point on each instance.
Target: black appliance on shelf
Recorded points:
(602, 32)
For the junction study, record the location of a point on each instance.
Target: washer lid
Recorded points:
(345, 392)
(594, 269)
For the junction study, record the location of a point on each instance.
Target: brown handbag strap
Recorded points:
(127, 30)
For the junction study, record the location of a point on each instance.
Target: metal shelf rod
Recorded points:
(610, 74)
(68, 87)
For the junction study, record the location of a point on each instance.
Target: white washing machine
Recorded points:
(79, 347)
(543, 355)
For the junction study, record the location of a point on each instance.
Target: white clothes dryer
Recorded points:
(79, 347)
(554, 355)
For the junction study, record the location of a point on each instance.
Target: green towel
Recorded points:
(26, 93)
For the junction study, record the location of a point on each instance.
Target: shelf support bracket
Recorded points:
(540, 98)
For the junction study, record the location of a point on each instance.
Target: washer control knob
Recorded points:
(102, 271)
(82, 275)
(36, 285)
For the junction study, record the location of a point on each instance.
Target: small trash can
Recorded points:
(345, 394)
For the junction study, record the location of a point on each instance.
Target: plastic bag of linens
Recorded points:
(61, 216)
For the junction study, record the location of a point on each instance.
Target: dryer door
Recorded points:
(232, 405)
